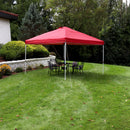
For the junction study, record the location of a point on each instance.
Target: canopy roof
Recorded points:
(62, 35)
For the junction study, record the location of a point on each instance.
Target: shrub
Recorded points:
(40, 66)
(39, 51)
(5, 69)
(1, 45)
(53, 53)
(29, 68)
(18, 70)
(15, 50)
(0, 75)
(7, 72)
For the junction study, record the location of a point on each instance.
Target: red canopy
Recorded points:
(62, 35)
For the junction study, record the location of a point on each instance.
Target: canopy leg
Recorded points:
(103, 59)
(65, 61)
(25, 65)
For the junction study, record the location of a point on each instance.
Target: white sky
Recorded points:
(128, 1)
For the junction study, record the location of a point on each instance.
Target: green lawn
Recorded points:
(88, 101)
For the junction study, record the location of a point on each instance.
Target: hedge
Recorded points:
(15, 50)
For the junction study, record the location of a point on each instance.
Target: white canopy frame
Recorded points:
(65, 59)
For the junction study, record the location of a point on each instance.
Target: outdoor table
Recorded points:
(62, 64)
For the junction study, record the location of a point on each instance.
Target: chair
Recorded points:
(74, 67)
(81, 68)
(53, 67)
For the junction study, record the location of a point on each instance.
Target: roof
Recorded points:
(8, 15)
(62, 35)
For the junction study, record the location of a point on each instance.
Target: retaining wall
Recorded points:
(29, 62)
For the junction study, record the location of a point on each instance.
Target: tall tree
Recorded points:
(86, 16)
(46, 14)
(32, 23)
(115, 34)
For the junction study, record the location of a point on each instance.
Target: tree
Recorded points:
(116, 36)
(86, 16)
(46, 14)
(32, 23)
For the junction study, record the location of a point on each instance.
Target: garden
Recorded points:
(15, 50)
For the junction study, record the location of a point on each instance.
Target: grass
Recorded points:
(38, 101)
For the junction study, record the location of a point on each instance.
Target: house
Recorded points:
(5, 31)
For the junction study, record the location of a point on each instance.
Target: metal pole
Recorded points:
(65, 60)
(25, 59)
(103, 59)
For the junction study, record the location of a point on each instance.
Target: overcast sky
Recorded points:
(128, 1)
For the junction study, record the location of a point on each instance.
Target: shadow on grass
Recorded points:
(91, 76)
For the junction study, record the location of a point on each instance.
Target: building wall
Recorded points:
(5, 35)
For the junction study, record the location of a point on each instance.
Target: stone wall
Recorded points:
(29, 62)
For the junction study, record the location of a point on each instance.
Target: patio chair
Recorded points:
(80, 68)
(53, 67)
(74, 67)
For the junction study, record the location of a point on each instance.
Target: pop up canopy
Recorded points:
(64, 36)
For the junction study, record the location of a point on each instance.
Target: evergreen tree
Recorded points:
(32, 23)
(116, 35)
(46, 14)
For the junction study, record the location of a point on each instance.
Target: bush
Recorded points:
(40, 66)
(29, 68)
(7, 72)
(15, 50)
(5, 69)
(53, 53)
(0, 75)
(39, 51)
(18, 70)
(1, 45)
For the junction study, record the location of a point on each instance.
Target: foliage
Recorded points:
(1, 45)
(14, 30)
(46, 14)
(86, 16)
(32, 23)
(40, 66)
(39, 51)
(18, 70)
(5, 69)
(19, 7)
(15, 50)
(104, 19)
(53, 53)
(0, 75)
(29, 68)
(117, 41)
(7, 72)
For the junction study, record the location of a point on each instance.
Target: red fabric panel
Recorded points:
(62, 35)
